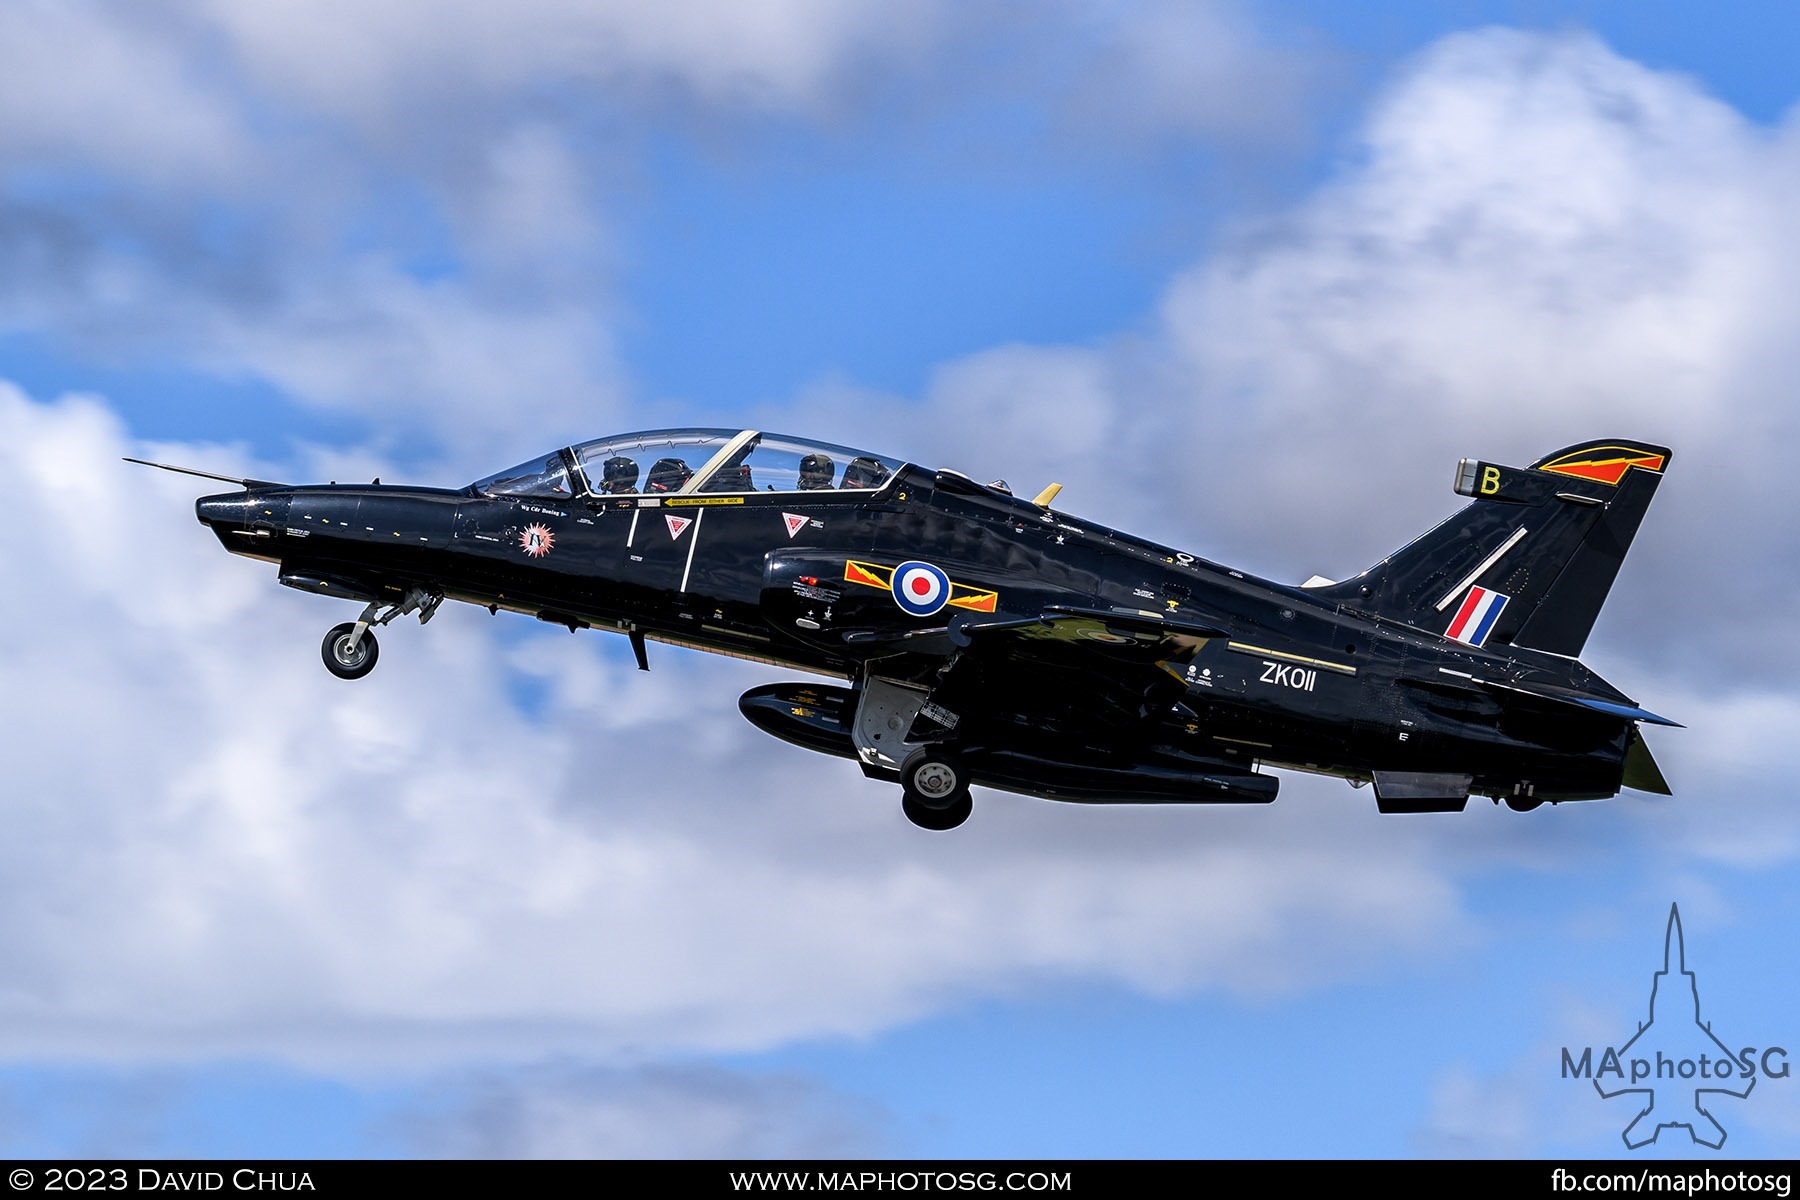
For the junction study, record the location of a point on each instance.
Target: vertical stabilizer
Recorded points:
(1530, 559)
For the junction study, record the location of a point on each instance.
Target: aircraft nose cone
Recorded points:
(227, 509)
(250, 522)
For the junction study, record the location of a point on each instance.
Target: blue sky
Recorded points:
(1247, 278)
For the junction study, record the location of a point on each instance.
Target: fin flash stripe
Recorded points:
(1605, 464)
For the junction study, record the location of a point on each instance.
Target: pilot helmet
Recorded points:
(668, 474)
(864, 472)
(816, 471)
(619, 474)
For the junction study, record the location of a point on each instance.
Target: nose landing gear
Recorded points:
(350, 649)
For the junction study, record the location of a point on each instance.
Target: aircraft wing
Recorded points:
(1112, 668)
(1100, 667)
(1107, 626)
(1136, 629)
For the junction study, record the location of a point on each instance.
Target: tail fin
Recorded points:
(1529, 561)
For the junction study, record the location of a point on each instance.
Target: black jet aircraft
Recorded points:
(986, 639)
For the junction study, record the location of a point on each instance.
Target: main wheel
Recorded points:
(344, 662)
(934, 777)
(938, 819)
(1522, 803)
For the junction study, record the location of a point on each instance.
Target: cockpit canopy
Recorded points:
(687, 461)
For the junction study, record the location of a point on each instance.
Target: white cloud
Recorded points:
(1540, 242)
(104, 87)
(656, 1112)
(182, 184)
(1167, 69)
(1096, 71)
(373, 61)
(398, 211)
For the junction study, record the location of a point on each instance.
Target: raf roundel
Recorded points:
(920, 588)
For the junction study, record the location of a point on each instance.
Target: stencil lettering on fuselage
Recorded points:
(1301, 679)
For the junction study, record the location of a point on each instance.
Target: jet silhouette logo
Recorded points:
(1674, 1063)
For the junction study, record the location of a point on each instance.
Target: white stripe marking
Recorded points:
(1487, 562)
(632, 532)
(692, 542)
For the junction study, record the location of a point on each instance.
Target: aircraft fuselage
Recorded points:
(1058, 657)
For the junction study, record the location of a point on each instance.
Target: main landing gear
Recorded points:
(935, 789)
(934, 779)
(350, 649)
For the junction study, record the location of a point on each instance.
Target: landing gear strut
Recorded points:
(350, 649)
(935, 789)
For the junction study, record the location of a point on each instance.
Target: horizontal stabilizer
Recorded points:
(1556, 695)
(1628, 711)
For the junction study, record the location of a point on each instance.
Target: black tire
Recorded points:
(338, 658)
(1522, 803)
(934, 778)
(938, 819)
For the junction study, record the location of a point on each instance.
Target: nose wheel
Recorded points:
(347, 655)
(935, 789)
(350, 650)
